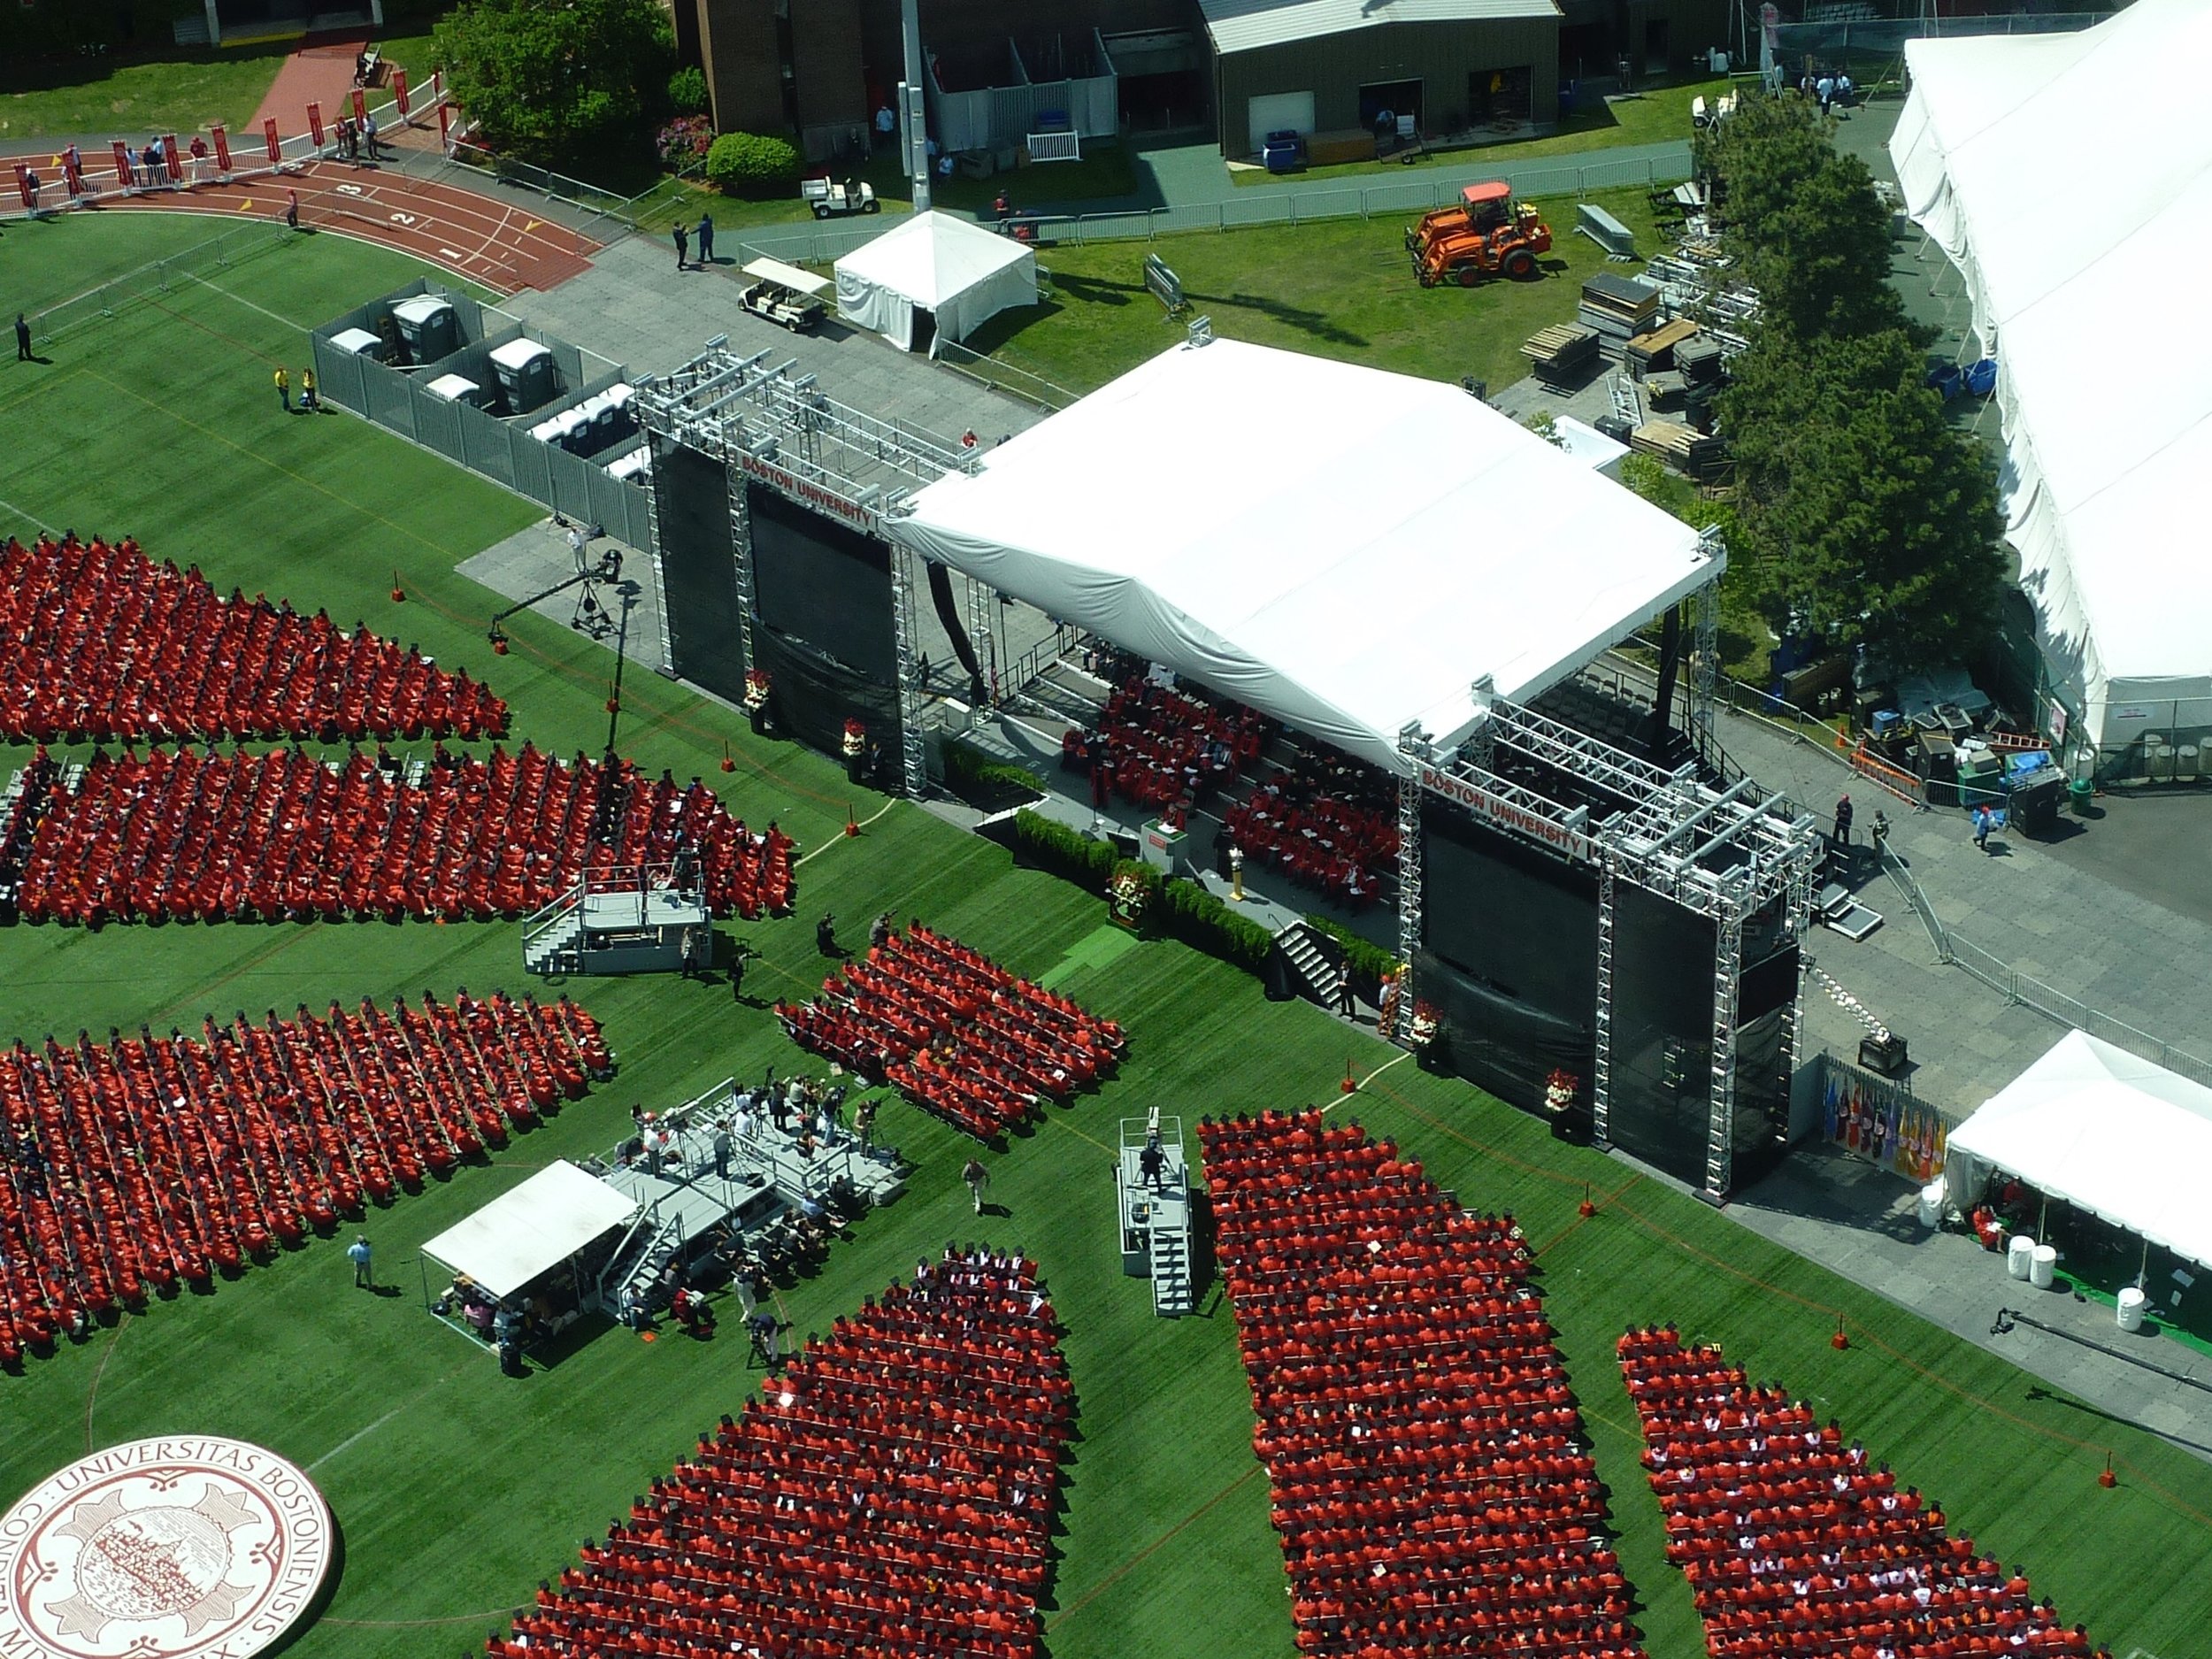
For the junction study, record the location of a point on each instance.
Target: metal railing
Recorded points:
(157, 277)
(1003, 377)
(2030, 991)
(602, 206)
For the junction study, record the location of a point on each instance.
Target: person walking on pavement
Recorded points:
(284, 391)
(1344, 1005)
(291, 210)
(1843, 821)
(23, 339)
(706, 239)
(357, 1253)
(683, 247)
(1985, 820)
(368, 135)
(978, 1177)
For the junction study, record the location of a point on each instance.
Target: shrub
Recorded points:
(1081, 858)
(969, 769)
(687, 90)
(1366, 959)
(750, 164)
(1192, 914)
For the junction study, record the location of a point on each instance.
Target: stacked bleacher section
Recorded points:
(955, 1033)
(1793, 1544)
(188, 835)
(1425, 1454)
(97, 641)
(129, 1165)
(889, 1495)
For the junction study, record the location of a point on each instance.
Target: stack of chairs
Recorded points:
(889, 1495)
(1428, 1473)
(99, 642)
(955, 1033)
(1165, 747)
(190, 836)
(1795, 1544)
(128, 1166)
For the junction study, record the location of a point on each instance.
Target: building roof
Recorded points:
(1344, 548)
(1243, 25)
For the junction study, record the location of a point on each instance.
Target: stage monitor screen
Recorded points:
(824, 582)
(1663, 1031)
(1520, 922)
(699, 599)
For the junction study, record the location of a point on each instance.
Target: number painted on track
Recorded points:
(350, 190)
(403, 219)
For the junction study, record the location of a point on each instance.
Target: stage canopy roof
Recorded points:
(1243, 25)
(533, 1229)
(1346, 550)
(2069, 178)
(2127, 1140)
(951, 267)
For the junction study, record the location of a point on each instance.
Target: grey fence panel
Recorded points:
(338, 375)
(1112, 227)
(1243, 212)
(484, 447)
(569, 483)
(390, 398)
(533, 465)
(1166, 221)
(1407, 195)
(438, 426)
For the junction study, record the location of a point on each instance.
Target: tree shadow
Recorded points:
(1303, 319)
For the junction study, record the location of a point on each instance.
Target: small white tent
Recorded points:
(951, 269)
(532, 1229)
(2129, 1141)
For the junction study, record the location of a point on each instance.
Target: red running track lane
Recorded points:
(504, 246)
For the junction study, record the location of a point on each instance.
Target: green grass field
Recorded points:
(1339, 288)
(457, 1490)
(179, 93)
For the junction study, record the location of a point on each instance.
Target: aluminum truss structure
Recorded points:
(1725, 853)
(768, 425)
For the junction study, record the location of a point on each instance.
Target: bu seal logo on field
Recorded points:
(183, 1547)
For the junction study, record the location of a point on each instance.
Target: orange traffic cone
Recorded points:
(399, 593)
(1840, 1340)
(852, 824)
(614, 705)
(499, 647)
(727, 763)
(1586, 1208)
(1350, 1085)
(2107, 1479)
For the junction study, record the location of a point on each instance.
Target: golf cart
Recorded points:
(832, 199)
(784, 294)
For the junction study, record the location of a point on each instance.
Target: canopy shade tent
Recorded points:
(2129, 1141)
(1346, 550)
(2069, 177)
(951, 268)
(532, 1230)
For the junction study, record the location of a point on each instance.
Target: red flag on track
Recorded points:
(315, 123)
(360, 107)
(73, 170)
(169, 160)
(23, 185)
(123, 179)
(445, 127)
(222, 147)
(399, 91)
(269, 137)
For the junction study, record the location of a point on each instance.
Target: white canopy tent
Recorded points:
(1346, 550)
(2129, 1141)
(531, 1230)
(951, 268)
(2069, 178)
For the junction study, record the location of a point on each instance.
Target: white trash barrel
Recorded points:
(2131, 1308)
(2043, 1266)
(2020, 1255)
(1932, 1203)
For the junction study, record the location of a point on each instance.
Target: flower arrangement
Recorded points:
(1428, 1025)
(684, 141)
(856, 742)
(1559, 1091)
(756, 686)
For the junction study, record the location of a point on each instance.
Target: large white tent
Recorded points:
(952, 268)
(1346, 550)
(2111, 1134)
(2069, 178)
(532, 1229)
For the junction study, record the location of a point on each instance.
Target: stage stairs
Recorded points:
(1155, 1230)
(550, 947)
(1317, 967)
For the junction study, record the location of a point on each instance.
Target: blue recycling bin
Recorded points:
(1981, 378)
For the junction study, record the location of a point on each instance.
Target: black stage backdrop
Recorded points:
(699, 603)
(1663, 1031)
(1512, 957)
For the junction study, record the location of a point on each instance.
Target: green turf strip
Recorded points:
(458, 1489)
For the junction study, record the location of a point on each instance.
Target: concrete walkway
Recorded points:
(320, 72)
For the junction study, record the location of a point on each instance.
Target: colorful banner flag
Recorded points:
(269, 137)
(399, 91)
(222, 147)
(169, 159)
(23, 186)
(124, 177)
(73, 170)
(360, 107)
(315, 123)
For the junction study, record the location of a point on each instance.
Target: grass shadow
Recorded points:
(1305, 319)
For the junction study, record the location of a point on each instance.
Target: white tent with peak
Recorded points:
(2069, 178)
(2107, 1131)
(933, 277)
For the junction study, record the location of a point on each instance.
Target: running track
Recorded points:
(504, 246)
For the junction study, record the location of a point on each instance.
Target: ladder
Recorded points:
(1720, 1126)
(1602, 1063)
(1627, 405)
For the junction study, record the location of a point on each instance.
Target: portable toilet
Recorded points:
(427, 324)
(357, 343)
(456, 388)
(526, 374)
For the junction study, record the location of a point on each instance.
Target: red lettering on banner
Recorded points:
(122, 163)
(269, 137)
(399, 91)
(222, 147)
(1497, 809)
(315, 122)
(813, 495)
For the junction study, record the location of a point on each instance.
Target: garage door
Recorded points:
(1280, 112)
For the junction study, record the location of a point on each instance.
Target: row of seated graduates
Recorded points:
(1429, 1475)
(1157, 748)
(130, 1166)
(210, 837)
(99, 642)
(890, 1493)
(1327, 820)
(30, 797)
(954, 1032)
(1794, 1545)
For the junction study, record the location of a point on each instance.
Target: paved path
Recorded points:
(320, 72)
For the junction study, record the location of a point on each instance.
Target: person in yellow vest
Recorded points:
(308, 406)
(284, 391)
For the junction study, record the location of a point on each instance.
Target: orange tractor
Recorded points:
(1488, 233)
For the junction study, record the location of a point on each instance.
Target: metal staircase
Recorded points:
(1155, 1221)
(1324, 979)
(1171, 1268)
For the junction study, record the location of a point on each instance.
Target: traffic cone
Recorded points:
(852, 824)
(499, 647)
(614, 705)
(2107, 1479)
(1350, 1085)
(399, 593)
(727, 763)
(1586, 1208)
(1840, 1340)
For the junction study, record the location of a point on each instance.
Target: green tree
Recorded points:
(1762, 155)
(558, 85)
(1822, 264)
